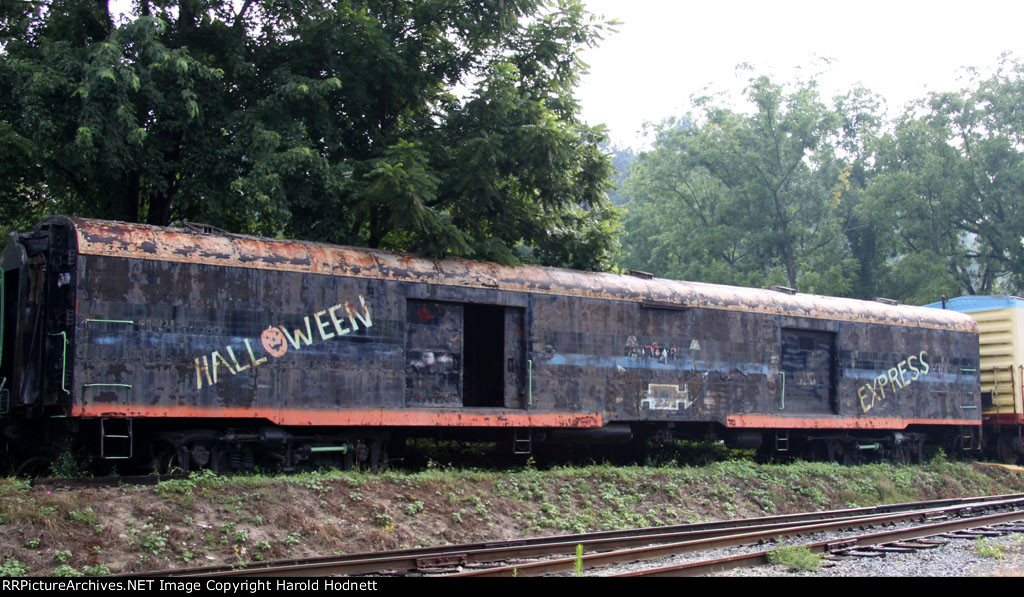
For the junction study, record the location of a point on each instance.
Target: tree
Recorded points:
(333, 121)
(870, 238)
(744, 199)
(951, 179)
(622, 162)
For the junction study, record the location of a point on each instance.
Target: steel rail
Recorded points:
(496, 554)
(761, 557)
(421, 553)
(477, 553)
(733, 540)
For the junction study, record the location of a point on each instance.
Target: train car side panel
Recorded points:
(219, 347)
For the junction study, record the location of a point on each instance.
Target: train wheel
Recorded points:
(378, 454)
(822, 451)
(168, 462)
(842, 453)
(370, 453)
(916, 452)
(1005, 451)
(901, 454)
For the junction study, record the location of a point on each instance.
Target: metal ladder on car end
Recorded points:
(522, 441)
(782, 441)
(116, 440)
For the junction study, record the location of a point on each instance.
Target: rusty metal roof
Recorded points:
(140, 241)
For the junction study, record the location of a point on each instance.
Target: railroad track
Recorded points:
(904, 540)
(967, 519)
(556, 554)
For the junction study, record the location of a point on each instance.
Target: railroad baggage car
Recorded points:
(147, 346)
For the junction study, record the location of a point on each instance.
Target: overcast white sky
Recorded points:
(667, 50)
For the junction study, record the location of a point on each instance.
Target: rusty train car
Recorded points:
(148, 346)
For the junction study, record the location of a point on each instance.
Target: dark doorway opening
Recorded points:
(483, 381)
(810, 369)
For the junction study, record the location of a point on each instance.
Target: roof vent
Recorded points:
(886, 301)
(202, 228)
(783, 289)
(640, 274)
(664, 305)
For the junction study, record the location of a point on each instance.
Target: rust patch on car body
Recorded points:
(140, 241)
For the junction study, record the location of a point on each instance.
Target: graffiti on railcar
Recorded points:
(903, 374)
(275, 341)
(661, 352)
(671, 397)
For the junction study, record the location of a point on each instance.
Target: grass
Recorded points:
(795, 557)
(210, 519)
(989, 549)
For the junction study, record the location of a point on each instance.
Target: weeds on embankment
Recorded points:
(209, 519)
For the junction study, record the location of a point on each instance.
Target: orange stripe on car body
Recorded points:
(351, 417)
(771, 422)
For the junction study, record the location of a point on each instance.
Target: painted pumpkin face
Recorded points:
(274, 342)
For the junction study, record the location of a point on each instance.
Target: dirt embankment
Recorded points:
(209, 520)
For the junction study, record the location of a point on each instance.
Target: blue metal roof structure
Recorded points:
(970, 304)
